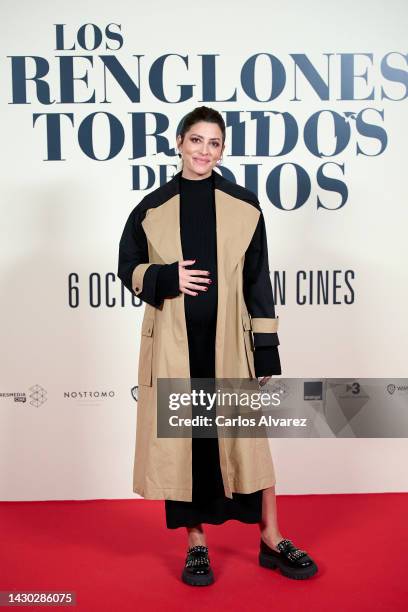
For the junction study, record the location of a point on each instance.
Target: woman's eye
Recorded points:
(195, 139)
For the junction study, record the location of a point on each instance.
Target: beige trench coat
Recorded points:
(163, 466)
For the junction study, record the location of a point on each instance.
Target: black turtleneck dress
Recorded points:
(198, 237)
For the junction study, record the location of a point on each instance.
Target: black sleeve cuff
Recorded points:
(149, 285)
(267, 361)
(160, 281)
(167, 282)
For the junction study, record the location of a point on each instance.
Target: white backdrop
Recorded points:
(75, 363)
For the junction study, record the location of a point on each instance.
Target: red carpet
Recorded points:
(119, 556)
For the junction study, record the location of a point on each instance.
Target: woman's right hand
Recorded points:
(188, 278)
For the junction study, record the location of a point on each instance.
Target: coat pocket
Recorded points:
(249, 349)
(146, 353)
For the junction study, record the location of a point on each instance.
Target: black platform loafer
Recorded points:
(197, 570)
(292, 562)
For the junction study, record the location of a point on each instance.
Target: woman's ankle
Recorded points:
(196, 537)
(271, 538)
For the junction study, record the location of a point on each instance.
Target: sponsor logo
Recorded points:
(313, 390)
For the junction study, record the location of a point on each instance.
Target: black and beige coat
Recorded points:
(246, 322)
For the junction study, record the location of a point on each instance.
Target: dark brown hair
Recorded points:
(201, 113)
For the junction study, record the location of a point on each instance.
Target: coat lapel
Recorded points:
(162, 228)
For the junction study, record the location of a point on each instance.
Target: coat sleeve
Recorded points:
(151, 282)
(259, 300)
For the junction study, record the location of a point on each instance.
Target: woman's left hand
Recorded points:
(263, 380)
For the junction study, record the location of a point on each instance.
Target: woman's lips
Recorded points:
(202, 161)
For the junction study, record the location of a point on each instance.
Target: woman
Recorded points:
(195, 251)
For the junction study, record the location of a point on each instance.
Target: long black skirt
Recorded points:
(209, 503)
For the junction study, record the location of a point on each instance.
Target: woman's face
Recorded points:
(201, 149)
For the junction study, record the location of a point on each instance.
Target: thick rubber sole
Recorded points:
(198, 579)
(297, 574)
